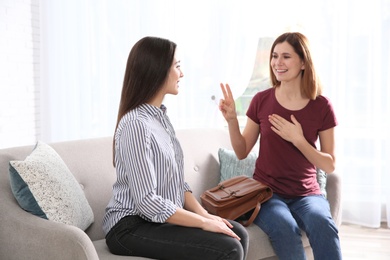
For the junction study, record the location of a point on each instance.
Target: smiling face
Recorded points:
(286, 65)
(171, 85)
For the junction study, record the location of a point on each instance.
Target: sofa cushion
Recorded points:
(44, 186)
(230, 166)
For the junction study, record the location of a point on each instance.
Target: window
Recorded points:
(259, 80)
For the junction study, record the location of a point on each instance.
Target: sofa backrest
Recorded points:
(90, 161)
(201, 163)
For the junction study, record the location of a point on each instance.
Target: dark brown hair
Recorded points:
(311, 86)
(147, 68)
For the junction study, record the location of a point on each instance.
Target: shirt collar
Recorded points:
(159, 111)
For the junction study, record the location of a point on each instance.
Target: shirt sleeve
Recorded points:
(187, 187)
(253, 108)
(134, 147)
(328, 115)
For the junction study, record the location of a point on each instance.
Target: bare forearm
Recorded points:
(187, 218)
(320, 159)
(292, 132)
(193, 205)
(236, 139)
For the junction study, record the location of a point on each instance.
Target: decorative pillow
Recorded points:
(44, 186)
(230, 166)
(321, 179)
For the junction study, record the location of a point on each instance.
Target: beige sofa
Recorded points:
(25, 236)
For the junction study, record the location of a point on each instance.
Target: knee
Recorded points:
(236, 251)
(240, 231)
(322, 227)
(235, 254)
(323, 222)
(243, 243)
(282, 230)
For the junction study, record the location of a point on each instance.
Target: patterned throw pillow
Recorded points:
(44, 186)
(230, 166)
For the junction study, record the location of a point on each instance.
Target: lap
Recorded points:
(168, 241)
(298, 212)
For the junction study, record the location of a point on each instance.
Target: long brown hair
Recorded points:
(147, 68)
(311, 86)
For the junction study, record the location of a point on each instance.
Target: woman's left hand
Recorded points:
(291, 132)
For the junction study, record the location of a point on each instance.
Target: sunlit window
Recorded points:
(259, 80)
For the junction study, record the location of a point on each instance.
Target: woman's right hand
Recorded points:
(219, 226)
(207, 222)
(227, 105)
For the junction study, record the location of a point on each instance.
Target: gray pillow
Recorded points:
(44, 186)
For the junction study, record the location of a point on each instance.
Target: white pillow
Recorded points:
(44, 186)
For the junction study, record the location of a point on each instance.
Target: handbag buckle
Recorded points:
(230, 194)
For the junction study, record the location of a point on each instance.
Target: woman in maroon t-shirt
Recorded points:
(289, 118)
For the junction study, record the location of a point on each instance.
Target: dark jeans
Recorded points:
(134, 236)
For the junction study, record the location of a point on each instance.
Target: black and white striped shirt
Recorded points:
(149, 166)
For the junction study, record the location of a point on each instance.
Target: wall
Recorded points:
(19, 72)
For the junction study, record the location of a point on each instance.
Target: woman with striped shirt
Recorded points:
(152, 212)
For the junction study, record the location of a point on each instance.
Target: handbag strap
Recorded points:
(253, 216)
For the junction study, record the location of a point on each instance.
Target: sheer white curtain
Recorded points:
(355, 65)
(85, 45)
(214, 44)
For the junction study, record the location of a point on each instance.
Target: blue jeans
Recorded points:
(282, 220)
(134, 236)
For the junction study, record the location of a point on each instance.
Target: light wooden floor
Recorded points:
(359, 243)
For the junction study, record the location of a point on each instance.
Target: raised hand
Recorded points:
(227, 105)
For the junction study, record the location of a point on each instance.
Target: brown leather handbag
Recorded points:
(232, 198)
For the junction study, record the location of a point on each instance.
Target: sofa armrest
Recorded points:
(333, 189)
(23, 235)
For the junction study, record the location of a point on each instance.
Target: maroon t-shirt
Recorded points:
(280, 164)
